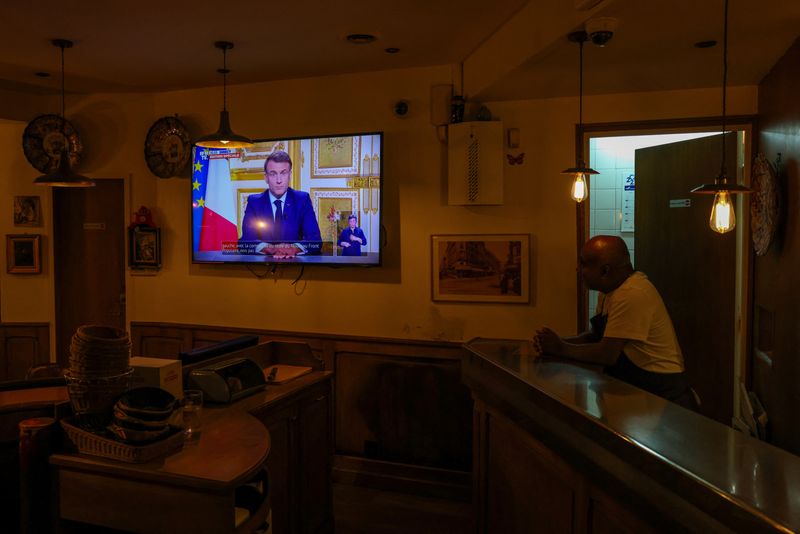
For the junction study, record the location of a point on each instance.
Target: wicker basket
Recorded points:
(96, 445)
(93, 399)
(97, 350)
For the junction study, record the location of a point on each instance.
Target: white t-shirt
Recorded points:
(637, 313)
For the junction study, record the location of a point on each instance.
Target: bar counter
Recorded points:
(629, 460)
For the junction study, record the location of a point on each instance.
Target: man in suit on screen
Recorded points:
(281, 220)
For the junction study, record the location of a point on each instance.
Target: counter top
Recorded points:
(721, 471)
(19, 399)
(232, 446)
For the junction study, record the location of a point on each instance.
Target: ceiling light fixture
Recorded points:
(723, 213)
(63, 175)
(580, 171)
(224, 137)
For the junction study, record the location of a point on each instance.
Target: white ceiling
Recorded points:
(154, 46)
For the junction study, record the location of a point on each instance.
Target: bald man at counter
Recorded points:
(631, 333)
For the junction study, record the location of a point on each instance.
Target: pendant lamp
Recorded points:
(580, 171)
(224, 137)
(64, 176)
(723, 213)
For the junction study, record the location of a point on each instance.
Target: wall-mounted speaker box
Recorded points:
(475, 163)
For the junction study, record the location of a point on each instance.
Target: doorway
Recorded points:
(646, 173)
(89, 259)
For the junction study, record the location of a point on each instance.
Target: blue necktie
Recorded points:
(276, 230)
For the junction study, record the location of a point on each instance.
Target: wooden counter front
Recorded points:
(562, 448)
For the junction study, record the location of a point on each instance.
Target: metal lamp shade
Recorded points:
(64, 176)
(224, 137)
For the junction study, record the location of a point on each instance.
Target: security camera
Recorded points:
(601, 30)
(401, 108)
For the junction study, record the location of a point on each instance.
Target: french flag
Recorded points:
(213, 194)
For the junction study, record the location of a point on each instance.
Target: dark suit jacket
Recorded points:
(299, 220)
(355, 247)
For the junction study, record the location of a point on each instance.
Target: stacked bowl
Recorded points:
(144, 414)
(99, 372)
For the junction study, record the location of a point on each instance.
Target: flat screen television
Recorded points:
(309, 200)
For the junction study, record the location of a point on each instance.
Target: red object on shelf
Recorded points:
(143, 217)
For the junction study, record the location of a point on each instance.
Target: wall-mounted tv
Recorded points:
(301, 200)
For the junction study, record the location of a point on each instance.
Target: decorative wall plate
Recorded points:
(764, 204)
(167, 148)
(44, 139)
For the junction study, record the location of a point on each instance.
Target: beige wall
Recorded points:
(391, 301)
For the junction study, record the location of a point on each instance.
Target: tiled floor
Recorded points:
(360, 510)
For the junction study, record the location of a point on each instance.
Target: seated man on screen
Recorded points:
(632, 334)
(281, 221)
(352, 238)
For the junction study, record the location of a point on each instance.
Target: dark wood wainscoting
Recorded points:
(402, 418)
(22, 345)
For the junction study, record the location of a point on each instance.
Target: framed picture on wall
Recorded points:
(27, 211)
(481, 268)
(144, 247)
(24, 253)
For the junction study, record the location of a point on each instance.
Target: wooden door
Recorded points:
(89, 259)
(692, 267)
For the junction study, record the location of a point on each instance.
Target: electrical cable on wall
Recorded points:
(299, 276)
(384, 237)
(268, 271)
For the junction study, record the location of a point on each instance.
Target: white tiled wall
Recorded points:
(614, 159)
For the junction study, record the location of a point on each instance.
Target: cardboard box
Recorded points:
(158, 372)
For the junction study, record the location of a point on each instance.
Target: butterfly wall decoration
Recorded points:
(516, 160)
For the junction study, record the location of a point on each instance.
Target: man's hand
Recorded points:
(283, 251)
(345, 244)
(548, 342)
(354, 238)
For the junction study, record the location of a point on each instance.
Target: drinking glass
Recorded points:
(192, 408)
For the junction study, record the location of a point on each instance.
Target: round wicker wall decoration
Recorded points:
(44, 138)
(167, 147)
(764, 204)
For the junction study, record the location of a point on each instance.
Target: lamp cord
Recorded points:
(225, 79)
(580, 86)
(724, 86)
(63, 105)
(580, 163)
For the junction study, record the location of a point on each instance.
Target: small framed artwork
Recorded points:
(27, 211)
(24, 253)
(144, 247)
(481, 268)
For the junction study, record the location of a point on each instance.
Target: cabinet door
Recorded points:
(314, 462)
(279, 465)
(528, 488)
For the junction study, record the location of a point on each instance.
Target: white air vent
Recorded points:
(475, 163)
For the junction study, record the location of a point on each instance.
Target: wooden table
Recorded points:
(285, 427)
(191, 490)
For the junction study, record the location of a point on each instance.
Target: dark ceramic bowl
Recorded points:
(136, 423)
(147, 403)
(138, 436)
